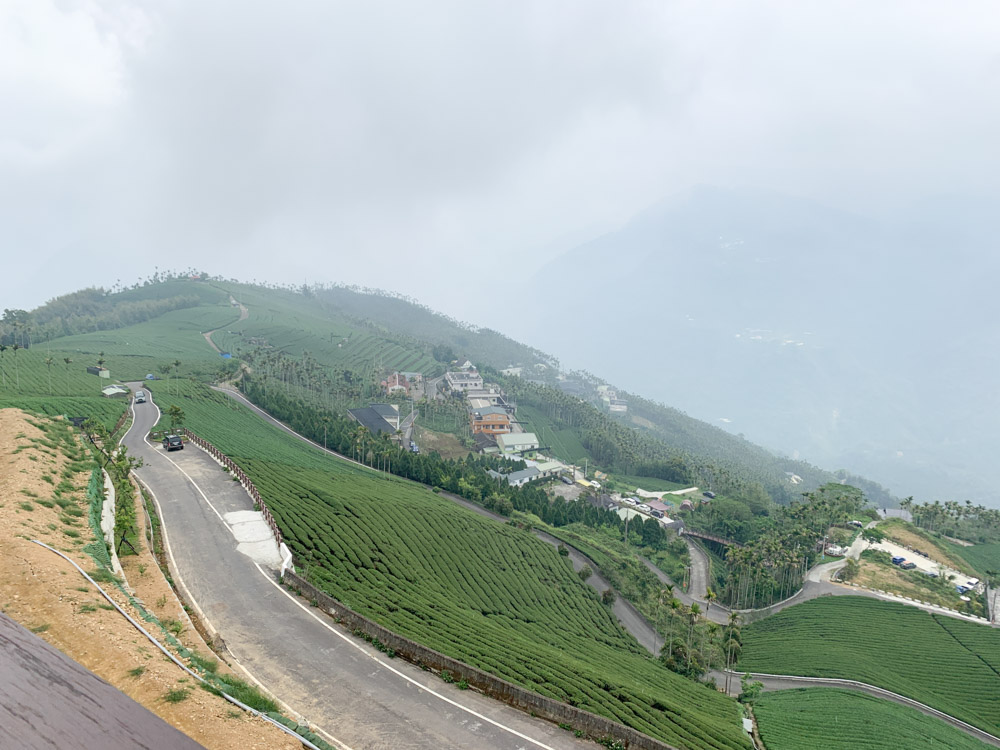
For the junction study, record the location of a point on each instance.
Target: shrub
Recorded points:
(176, 696)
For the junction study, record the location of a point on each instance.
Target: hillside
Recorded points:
(481, 591)
(484, 592)
(344, 340)
(844, 720)
(789, 322)
(949, 664)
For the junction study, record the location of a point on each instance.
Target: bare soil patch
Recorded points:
(448, 446)
(42, 497)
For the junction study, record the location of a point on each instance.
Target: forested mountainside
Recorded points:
(347, 334)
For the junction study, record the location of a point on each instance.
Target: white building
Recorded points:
(517, 442)
(464, 381)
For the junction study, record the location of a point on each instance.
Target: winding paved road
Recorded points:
(700, 565)
(630, 618)
(817, 584)
(357, 697)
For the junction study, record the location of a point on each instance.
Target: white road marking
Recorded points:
(194, 602)
(342, 636)
(354, 644)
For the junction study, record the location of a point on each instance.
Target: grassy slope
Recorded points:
(980, 557)
(564, 444)
(481, 591)
(845, 720)
(650, 484)
(72, 392)
(295, 323)
(907, 534)
(946, 663)
(135, 350)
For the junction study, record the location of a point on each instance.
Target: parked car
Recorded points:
(173, 443)
(644, 508)
(656, 513)
(140, 397)
(908, 565)
(710, 495)
(898, 560)
(858, 524)
(930, 574)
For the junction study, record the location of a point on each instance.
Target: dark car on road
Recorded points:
(173, 443)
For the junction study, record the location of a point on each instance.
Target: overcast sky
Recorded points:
(411, 146)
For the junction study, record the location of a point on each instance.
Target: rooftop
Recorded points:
(387, 411)
(48, 700)
(490, 411)
(519, 438)
(372, 420)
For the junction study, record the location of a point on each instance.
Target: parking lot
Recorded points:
(923, 563)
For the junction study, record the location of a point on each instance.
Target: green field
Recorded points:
(133, 351)
(564, 444)
(950, 664)
(293, 324)
(846, 720)
(26, 382)
(981, 557)
(650, 484)
(484, 592)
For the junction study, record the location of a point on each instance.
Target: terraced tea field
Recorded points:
(484, 592)
(294, 324)
(133, 351)
(846, 720)
(564, 444)
(946, 663)
(28, 383)
(981, 557)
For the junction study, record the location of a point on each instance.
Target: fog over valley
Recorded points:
(504, 374)
(776, 218)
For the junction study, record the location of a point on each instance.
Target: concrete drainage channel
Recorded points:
(166, 652)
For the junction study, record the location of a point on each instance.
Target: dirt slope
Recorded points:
(43, 496)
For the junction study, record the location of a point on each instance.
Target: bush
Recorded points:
(850, 570)
(176, 696)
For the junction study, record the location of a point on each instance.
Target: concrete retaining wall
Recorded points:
(594, 726)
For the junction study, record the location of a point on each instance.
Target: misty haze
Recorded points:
(563, 359)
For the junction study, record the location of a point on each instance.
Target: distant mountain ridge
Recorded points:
(861, 343)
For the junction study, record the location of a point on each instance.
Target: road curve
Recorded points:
(629, 617)
(700, 566)
(773, 682)
(346, 689)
